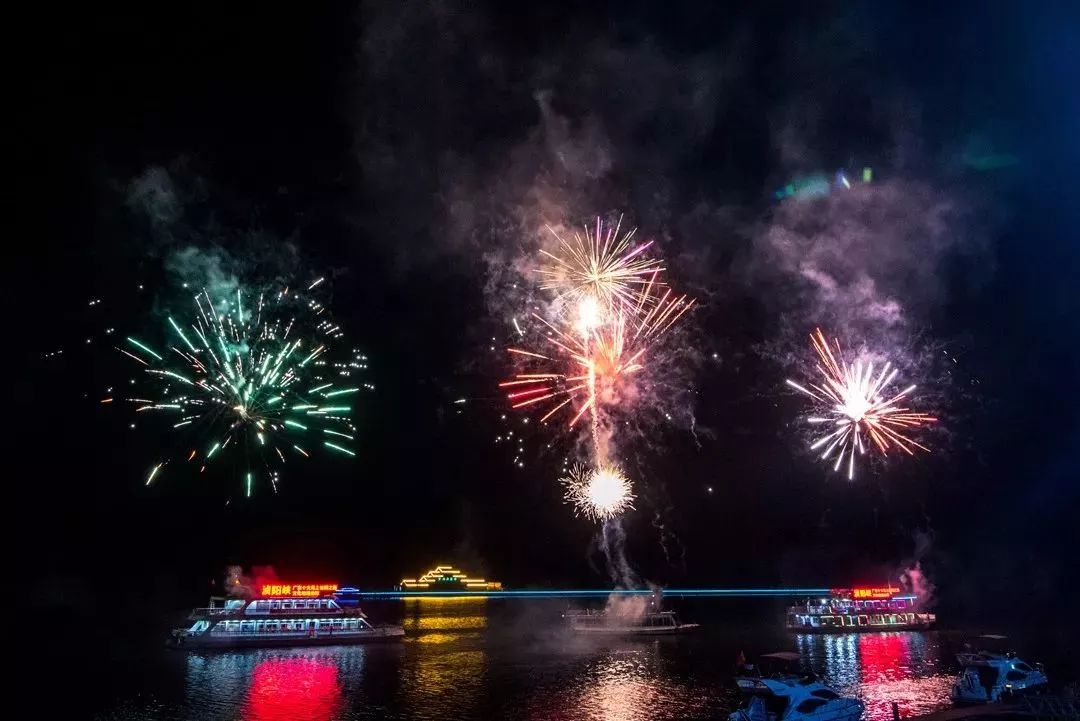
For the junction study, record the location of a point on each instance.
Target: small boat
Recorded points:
(789, 696)
(988, 677)
(653, 623)
(278, 621)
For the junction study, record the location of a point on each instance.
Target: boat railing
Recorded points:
(243, 611)
(214, 611)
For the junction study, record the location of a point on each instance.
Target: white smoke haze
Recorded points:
(621, 608)
(177, 217)
(612, 542)
(211, 269)
(154, 194)
(625, 608)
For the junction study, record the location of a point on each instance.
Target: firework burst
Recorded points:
(609, 313)
(583, 359)
(856, 409)
(253, 376)
(599, 268)
(598, 493)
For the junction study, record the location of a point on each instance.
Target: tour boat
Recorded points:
(653, 623)
(988, 677)
(282, 620)
(792, 697)
(851, 610)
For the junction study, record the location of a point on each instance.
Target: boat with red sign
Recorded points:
(283, 614)
(853, 610)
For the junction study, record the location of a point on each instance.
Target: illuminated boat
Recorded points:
(654, 623)
(283, 615)
(988, 677)
(788, 696)
(851, 610)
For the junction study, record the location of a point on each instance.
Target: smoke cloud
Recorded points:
(864, 262)
(242, 585)
(913, 578)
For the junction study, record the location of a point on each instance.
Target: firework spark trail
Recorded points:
(853, 403)
(611, 308)
(235, 377)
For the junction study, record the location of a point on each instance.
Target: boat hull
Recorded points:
(638, 630)
(979, 697)
(209, 641)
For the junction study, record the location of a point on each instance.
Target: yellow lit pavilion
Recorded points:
(447, 578)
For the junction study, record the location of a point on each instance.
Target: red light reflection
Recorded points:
(293, 689)
(888, 674)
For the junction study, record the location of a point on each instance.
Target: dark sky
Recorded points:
(409, 149)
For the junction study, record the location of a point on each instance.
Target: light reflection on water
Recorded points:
(468, 660)
(904, 667)
(272, 684)
(630, 685)
(445, 677)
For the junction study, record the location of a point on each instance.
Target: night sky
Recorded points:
(410, 150)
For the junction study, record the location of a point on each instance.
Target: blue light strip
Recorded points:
(596, 593)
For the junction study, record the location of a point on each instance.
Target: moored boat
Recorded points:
(988, 676)
(789, 696)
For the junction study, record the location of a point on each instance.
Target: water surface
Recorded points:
(476, 659)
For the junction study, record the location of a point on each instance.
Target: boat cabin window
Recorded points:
(774, 705)
(987, 675)
(824, 693)
(1014, 675)
(810, 705)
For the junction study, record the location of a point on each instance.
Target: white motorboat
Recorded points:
(988, 677)
(791, 697)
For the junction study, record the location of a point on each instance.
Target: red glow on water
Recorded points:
(883, 656)
(885, 672)
(897, 668)
(293, 689)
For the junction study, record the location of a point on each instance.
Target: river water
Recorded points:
(476, 659)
